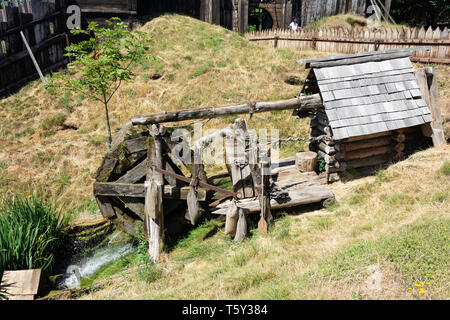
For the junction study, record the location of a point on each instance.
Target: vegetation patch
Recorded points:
(416, 251)
(31, 232)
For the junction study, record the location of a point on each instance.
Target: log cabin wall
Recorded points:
(43, 25)
(363, 152)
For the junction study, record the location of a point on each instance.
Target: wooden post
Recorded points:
(154, 215)
(264, 198)
(241, 228)
(231, 219)
(194, 209)
(427, 81)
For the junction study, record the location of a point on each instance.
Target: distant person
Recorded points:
(294, 25)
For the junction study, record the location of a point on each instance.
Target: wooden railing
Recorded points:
(355, 40)
(43, 25)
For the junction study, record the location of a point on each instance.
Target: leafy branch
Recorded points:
(101, 63)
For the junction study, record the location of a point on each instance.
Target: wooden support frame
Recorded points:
(154, 215)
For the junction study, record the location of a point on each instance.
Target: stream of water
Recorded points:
(80, 268)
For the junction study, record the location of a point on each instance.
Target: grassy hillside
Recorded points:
(201, 65)
(348, 20)
(394, 224)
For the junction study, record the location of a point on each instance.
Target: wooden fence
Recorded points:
(355, 40)
(43, 24)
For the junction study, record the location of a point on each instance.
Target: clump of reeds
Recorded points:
(31, 231)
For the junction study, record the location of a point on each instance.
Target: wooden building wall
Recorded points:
(313, 10)
(43, 25)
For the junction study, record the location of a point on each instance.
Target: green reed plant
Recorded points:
(31, 232)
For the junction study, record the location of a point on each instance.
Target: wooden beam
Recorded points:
(359, 57)
(154, 214)
(364, 144)
(308, 194)
(305, 103)
(427, 81)
(113, 189)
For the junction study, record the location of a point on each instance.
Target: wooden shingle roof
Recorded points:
(366, 94)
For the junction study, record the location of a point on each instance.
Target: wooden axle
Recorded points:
(305, 103)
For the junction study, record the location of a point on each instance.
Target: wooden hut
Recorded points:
(372, 108)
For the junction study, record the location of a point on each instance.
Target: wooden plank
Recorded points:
(428, 85)
(112, 189)
(136, 205)
(21, 284)
(137, 144)
(305, 103)
(135, 174)
(307, 195)
(104, 204)
(357, 58)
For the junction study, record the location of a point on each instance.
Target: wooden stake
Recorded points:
(36, 65)
(154, 215)
(264, 198)
(241, 228)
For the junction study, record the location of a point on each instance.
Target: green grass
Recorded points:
(445, 168)
(417, 250)
(321, 223)
(51, 122)
(31, 232)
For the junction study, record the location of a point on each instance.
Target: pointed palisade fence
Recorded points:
(355, 40)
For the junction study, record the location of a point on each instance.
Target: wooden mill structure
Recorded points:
(365, 109)
(145, 177)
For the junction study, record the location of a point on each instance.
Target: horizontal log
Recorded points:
(359, 57)
(138, 191)
(323, 129)
(364, 144)
(328, 149)
(328, 158)
(363, 153)
(366, 137)
(360, 163)
(304, 103)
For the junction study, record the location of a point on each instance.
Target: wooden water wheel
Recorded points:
(119, 188)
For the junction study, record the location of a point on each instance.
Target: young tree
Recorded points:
(101, 63)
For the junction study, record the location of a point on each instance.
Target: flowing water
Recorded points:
(80, 268)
